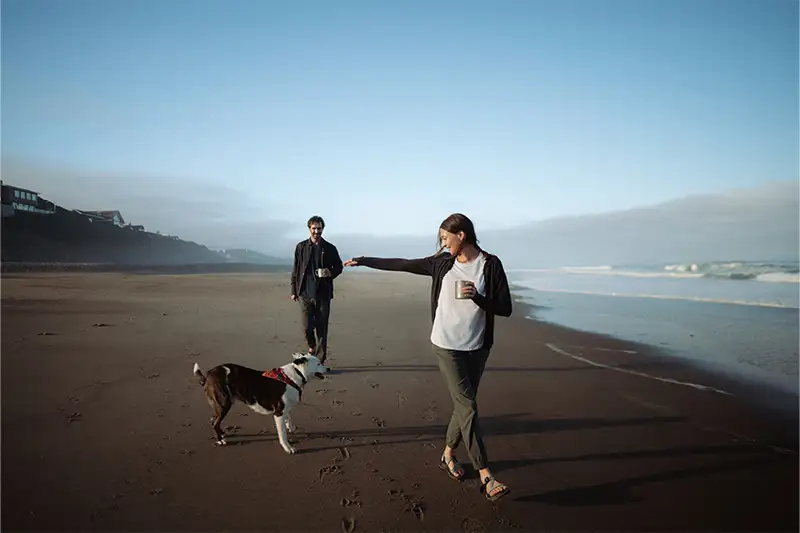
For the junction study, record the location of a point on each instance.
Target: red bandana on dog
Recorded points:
(279, 375)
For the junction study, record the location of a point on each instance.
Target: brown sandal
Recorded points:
(456, 472)
(495, 484)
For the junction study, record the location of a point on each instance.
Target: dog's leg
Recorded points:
(280, 425)
(216, 421)
(290, 427)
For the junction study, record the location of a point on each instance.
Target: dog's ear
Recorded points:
(300, 361)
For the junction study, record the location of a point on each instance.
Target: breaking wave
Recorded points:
(737, 270)
(771, 272)
(753, 303)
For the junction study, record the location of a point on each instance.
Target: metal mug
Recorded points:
(461, 283)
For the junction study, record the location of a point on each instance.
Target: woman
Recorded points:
(463, 331)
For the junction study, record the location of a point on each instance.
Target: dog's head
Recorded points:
(309, 365)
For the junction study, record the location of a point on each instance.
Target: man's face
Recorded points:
(315, 229)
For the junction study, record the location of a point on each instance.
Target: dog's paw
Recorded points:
(221, 442)
(290, 449)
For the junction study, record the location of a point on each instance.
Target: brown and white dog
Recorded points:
(273, 392)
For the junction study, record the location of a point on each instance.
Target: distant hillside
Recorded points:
(68, 237)
(244, 255)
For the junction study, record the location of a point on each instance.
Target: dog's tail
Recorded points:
(199, 374)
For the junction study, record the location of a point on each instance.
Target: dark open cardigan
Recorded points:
(497, 300)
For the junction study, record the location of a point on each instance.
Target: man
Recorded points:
(316, 265)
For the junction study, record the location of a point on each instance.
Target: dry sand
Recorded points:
(104, 427)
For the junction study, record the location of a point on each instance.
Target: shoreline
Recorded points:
(582, 447)
(758, 389)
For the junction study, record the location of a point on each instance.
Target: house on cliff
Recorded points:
(18, 199)
(113, 217)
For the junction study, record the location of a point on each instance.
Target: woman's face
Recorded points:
(452, 241)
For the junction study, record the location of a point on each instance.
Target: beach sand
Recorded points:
(104, 426)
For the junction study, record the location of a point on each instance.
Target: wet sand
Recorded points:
(106, 429)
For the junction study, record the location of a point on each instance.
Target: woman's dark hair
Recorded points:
(458, 222)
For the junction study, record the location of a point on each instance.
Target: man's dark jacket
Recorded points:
(330, 260)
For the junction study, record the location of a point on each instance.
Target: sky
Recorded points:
(236, 121)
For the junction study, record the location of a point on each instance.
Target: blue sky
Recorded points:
(387, 116)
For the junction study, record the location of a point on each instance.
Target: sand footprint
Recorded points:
(430, 412)
(411, 504)
(418, 510)
(115, 506)
(329, 470)
(506, 523)
(472, 525)
(368, 380)
(352, 501)
(348, 525)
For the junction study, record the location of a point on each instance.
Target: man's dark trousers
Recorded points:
(315, 313)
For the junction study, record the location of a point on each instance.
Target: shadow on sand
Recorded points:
(614, 492)
(511, 424)
(432, 368)
(622, 491)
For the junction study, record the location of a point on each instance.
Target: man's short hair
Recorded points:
(316, 219)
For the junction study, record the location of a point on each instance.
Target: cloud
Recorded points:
(759, 223)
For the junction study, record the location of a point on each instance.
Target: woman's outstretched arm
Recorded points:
(422, 266)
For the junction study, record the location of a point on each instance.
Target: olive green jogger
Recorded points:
(462, 372)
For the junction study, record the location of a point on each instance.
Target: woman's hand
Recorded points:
(351, 263)
(468, 290)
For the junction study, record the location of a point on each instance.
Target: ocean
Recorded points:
(735, 318)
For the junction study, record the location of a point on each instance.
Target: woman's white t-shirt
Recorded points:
(460, 324)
